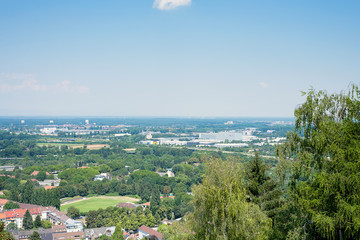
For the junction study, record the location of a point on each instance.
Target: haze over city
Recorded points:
(173, 57)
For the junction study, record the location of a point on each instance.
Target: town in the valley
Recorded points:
(80, 178)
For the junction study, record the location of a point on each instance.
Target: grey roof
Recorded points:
(96, 232)
(46, 234)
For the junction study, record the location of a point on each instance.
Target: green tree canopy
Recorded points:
(262, 189)
(220, 207)
(37, 222)
(118, 234)
(28, 221)
(41, 176)
(11, 226)
(325, 157)
(11, 205)
(35, 236)
(46, 224)
(3, 234)
(73, 212)
(155, 200)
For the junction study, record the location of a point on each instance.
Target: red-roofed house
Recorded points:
(126, 234)
(35, 173)
(2, 203)
(147, 204)
(83, 167)
(49, 187)
(16, 215)
(125, 205)
(46, 213)
(2, 175)
(145, 231)
(58, 228)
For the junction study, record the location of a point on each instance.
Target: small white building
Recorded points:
(170, 173)
(102, 176)
(48, 131)
(74, 226)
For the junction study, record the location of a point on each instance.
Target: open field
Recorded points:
(94, 203)
(97, 146)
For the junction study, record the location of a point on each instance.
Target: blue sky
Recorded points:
(173, 57)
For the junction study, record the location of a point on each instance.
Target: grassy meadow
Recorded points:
(94, 203)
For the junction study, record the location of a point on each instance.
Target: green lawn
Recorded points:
(95, 203)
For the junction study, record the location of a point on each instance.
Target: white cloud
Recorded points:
(263, 84)
(11, 82)
(170, 4)
(66, 86)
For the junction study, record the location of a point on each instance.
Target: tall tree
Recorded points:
(325, 153)
(14, 195)
(37, 222)
(155, 200)
(27, 192)
(266, 192)
(118, 234)
(261, 187)
(28, 221)
(256, 177)
(220, 207)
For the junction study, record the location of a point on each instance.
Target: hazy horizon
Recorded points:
(147, 117)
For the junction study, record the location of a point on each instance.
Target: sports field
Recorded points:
(94, 203)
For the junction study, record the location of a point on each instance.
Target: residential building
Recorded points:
(2, 203)
(130, 150)
(126, 205)
(147, 232)
(7, 168)
(35, 173)
(45, 234)
(102, 176)
(73, 225)
(169, 173)
(95, 233)
(50, 182)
